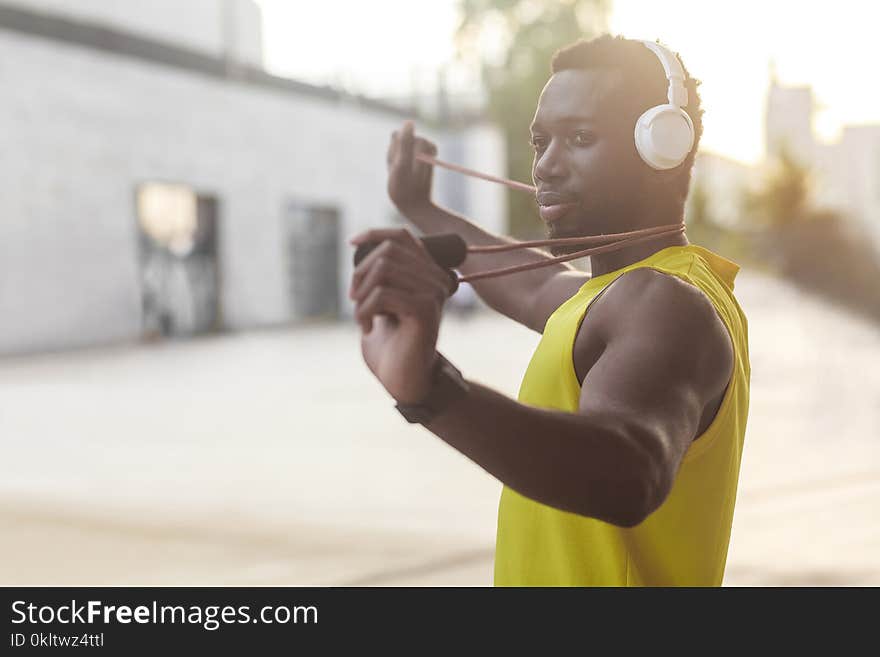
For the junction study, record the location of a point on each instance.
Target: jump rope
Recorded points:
(664, 136)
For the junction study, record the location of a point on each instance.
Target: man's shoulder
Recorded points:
(653, 308)
(649, 293)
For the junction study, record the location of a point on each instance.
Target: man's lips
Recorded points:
(555, 211)
(554, 205)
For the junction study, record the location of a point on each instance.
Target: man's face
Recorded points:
(586, 163)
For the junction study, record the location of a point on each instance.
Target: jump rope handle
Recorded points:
(447, 249)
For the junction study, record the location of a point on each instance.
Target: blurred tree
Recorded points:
(513, 42)
(785, 195)
(817, 248)
(698, 214)
(833, 257)
(703, 229)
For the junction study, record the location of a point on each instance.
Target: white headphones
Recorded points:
(665, 134)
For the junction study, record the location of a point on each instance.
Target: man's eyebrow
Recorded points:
(565, 120)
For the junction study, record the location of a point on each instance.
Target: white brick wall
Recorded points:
(209, 26)
(80, 129)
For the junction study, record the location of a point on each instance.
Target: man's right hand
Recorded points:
(409, 180)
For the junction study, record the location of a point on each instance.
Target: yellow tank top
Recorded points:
(684, 542)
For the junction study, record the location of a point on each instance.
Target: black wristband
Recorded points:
(447, 386)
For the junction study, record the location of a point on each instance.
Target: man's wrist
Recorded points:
(419, 210)
(419, 395)
(447, 386)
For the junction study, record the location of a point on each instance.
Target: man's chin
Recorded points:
(554, 232)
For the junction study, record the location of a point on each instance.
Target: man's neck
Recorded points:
(608, 262)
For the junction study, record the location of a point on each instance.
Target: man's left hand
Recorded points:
(399, 292)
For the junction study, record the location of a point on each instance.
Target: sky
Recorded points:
(388, 47)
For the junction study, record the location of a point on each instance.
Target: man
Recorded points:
(621, 456)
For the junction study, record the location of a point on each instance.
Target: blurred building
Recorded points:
(788, 121)
(720, 183)
(847, 171)
(158, 181)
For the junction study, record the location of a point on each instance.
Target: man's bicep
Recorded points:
(637, 387)
(667, 356)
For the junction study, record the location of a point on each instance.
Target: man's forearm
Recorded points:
(564, 460)
(502, 294)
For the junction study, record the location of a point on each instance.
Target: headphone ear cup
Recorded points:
(664, 136)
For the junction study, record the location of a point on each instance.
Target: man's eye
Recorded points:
(583, 138)
(538, 144)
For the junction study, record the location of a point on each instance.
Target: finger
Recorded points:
(377, 235)
(387, 273)
(401, 236)
(392, 252)
(407, 144)
(392, 149)
(424, 170)
(425, 146)
(391, 301)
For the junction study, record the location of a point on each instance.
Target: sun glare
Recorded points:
(388, 47)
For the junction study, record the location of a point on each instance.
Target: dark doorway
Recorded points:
(313, 261)
(180, 283)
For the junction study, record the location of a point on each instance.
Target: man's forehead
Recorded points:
(578, 95)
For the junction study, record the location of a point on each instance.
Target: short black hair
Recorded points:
(642, 72)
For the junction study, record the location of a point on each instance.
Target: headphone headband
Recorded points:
(677, 93)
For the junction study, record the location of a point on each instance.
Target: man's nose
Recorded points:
(550, 165)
